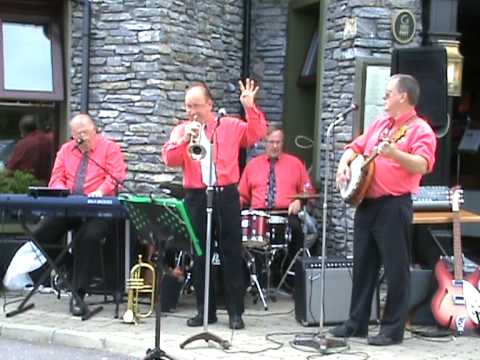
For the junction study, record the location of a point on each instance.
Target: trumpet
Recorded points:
(136, 286)
(196, 151)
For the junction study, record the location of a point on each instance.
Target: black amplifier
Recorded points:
(315, 262)
(338, 288)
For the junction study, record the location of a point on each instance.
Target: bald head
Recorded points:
(83, 131)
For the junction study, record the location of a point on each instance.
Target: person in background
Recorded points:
(33, 153)
(272, 180)
(383, 219)
(224, 136)
(89, 165)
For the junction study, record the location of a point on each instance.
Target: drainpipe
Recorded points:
(247, 30)
(85, 56)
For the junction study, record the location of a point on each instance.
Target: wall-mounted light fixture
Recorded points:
(455, 67)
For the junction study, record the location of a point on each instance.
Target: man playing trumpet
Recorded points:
(224, 137)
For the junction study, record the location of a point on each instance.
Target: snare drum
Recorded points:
(279, 232)
(254, 228)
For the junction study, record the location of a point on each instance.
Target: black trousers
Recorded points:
(382, 236)
(87, 234)
(227, 231)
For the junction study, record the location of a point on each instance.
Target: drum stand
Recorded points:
(319, 341)
(304, 251)
(252, 269)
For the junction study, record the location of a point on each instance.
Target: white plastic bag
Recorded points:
(27, 258)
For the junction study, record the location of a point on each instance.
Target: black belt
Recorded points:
(368, 201)
(215, 188)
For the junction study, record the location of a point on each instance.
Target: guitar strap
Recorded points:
(398, 133)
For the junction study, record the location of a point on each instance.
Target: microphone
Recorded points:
(342, 114)
(106, 171)
(79, 141)
(221, 113)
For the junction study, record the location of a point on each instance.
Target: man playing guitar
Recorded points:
(405, 145)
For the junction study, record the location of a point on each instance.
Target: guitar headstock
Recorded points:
(400, 133)
(456, 196)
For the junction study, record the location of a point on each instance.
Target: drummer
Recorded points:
(272, 180)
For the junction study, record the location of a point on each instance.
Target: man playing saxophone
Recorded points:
(223, 136)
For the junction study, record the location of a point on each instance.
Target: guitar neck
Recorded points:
(457, 247)
(369, 159)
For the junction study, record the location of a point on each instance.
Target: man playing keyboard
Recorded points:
(89, 165)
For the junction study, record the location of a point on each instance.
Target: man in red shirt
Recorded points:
(33, 153)
(291, 178)
(383, 220)
(224, 137)
(93, 166)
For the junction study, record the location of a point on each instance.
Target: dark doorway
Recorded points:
(466, 109)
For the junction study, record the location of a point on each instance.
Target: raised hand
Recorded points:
(248, 92)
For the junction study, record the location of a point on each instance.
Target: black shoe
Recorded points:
(235, 322)
(76, 308)
(343, 331)
(382, 340)
(198, 320)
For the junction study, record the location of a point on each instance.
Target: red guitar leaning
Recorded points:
(456, 304)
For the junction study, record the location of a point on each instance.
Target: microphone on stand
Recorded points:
(79, 142)
(342, 114)
(220, 114)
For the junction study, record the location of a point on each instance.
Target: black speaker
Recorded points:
(113, 250)
(338, 287)
(429, 66)
(422, 287)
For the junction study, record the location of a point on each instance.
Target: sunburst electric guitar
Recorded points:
(456, 304)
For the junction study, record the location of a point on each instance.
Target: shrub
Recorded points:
(17, 182)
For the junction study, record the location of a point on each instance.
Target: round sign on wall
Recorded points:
(403, 26)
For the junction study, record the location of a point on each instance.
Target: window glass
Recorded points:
(27, 57)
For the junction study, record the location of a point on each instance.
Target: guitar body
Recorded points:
(360, 180)
(362, 170)
(448, 308)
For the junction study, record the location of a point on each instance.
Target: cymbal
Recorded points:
(304, 196)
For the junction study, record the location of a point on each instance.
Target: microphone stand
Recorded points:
(156, 353)
(319, 341)
(206, 335)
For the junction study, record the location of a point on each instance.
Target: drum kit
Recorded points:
(266, 234)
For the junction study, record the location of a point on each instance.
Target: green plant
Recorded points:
(17, 182)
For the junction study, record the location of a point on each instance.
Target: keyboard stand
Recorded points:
(51, 265)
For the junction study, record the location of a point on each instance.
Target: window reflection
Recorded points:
(27, 57)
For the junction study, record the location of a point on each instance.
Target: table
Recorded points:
(444, 217)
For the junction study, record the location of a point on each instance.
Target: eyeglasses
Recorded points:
(389, 94)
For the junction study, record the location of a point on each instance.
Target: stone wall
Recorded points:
(145, 52)
(269, 42)
(143, 55)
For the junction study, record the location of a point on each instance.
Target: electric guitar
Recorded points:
(456, 304)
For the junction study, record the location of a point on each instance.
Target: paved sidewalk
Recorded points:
(268, 334)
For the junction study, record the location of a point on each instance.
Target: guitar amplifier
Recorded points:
(338, 288)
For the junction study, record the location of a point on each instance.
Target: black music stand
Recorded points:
(152, 216)
(51, 265)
